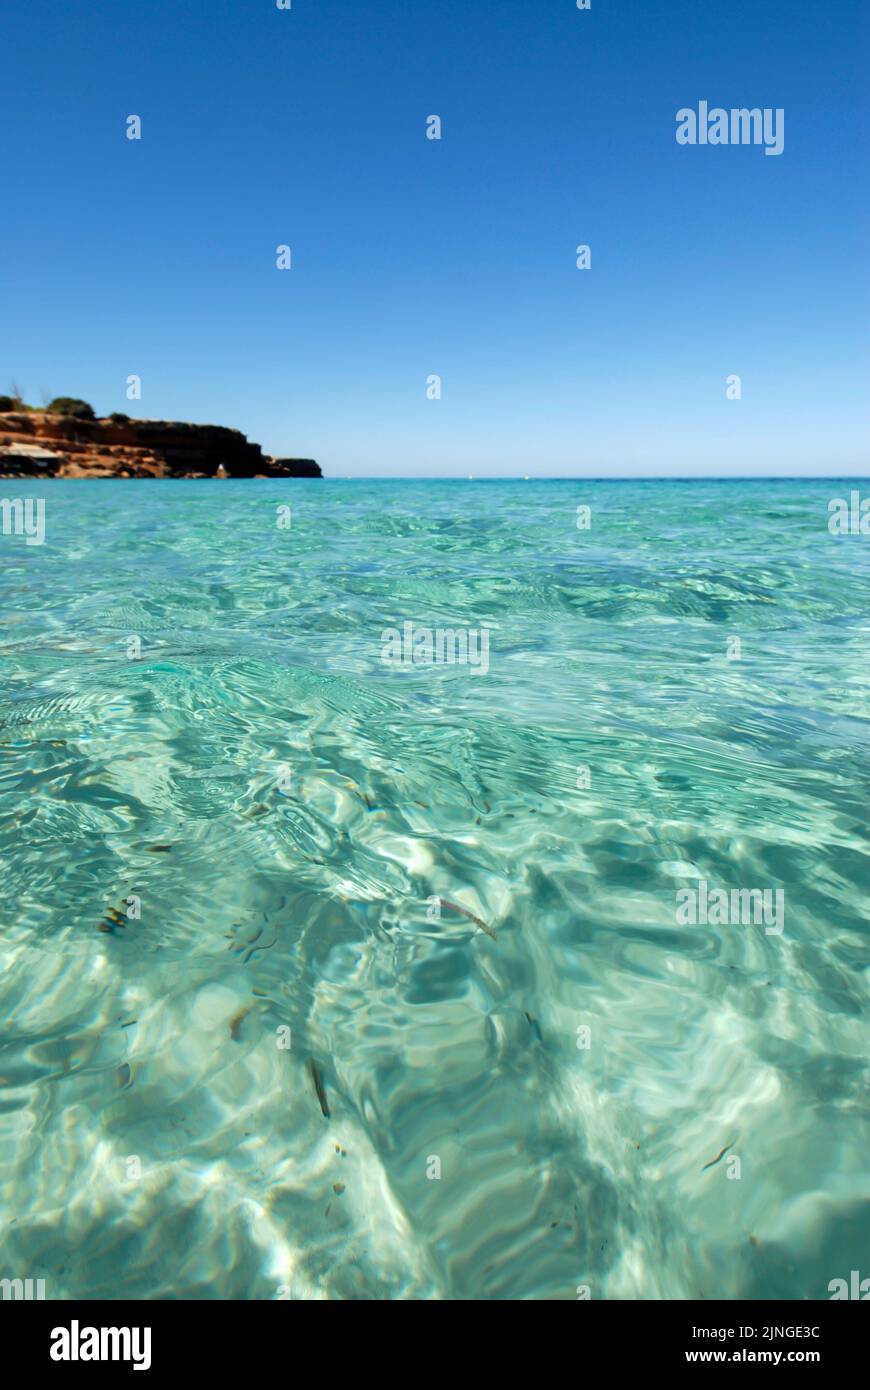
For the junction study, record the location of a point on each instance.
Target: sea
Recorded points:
(448, 890)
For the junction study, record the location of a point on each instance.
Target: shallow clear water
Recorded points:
(156, 1136)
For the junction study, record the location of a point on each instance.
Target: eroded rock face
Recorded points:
(295, 468)
(35, 443)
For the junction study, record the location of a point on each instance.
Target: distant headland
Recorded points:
(67, 439)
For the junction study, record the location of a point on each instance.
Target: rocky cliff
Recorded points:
(38, 443)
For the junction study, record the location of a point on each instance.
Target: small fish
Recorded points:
(115, 919)
(535, 1026)
(253, 949)
(159, 849)
(720, 1154)
(455, 907)
(234, 946)
(236, 1023)
(318, 1086)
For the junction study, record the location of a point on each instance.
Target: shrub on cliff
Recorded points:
(6, 404)
(71, 405)
(118, 417)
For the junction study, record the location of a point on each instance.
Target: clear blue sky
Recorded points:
(412, 256)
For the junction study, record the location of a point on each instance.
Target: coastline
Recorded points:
(47, 444)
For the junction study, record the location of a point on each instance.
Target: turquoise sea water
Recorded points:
(510, 1116)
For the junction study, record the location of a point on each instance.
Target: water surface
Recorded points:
(570, 1079)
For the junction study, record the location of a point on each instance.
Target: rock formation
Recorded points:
(41, 444)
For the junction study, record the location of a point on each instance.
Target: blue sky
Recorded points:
(411, 256)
